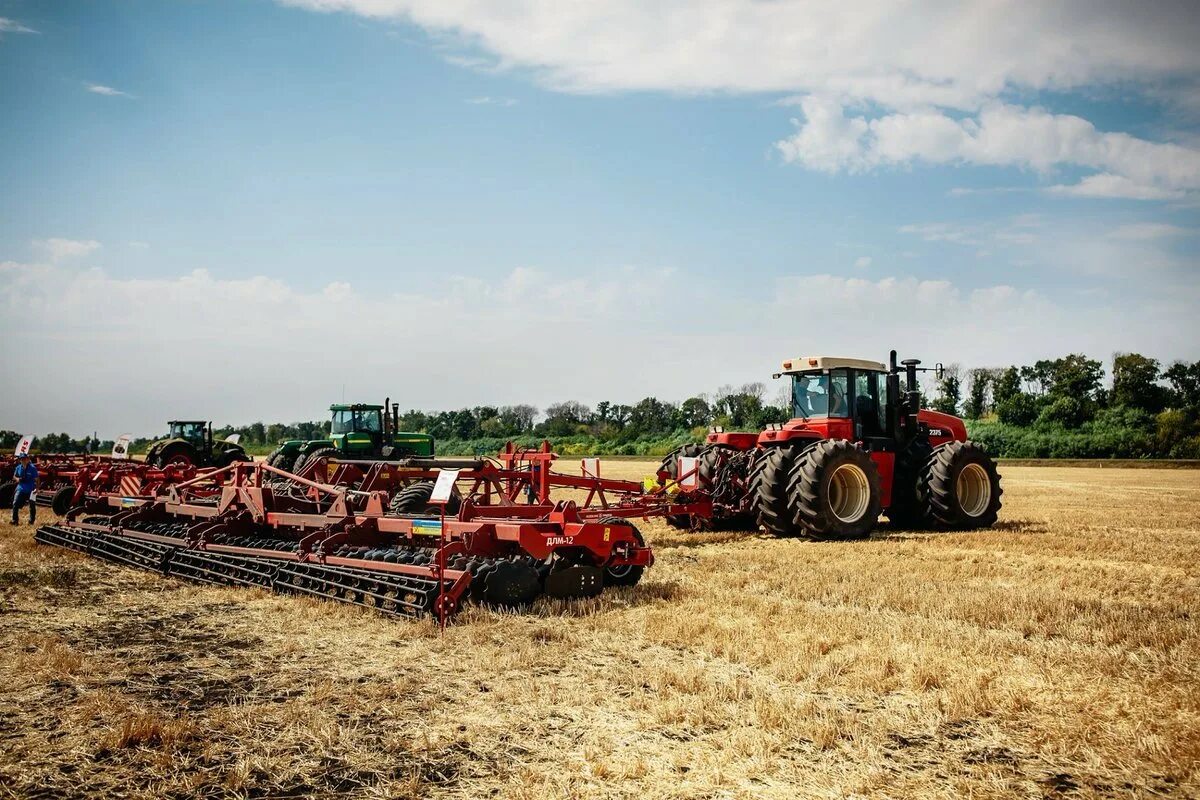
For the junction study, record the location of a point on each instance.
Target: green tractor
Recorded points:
(360, 431)
(190, 442)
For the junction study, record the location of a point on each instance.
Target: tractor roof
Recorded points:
(819, 363)
(356, 407)
(187, 422)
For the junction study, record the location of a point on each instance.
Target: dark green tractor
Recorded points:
(360, 431)
(191, 442)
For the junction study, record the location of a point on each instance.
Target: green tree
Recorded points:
(949, 388)
(1135, 383)
(1184, 379)
(1006, 384)
(976, 405)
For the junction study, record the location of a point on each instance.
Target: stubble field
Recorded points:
(1055, 655)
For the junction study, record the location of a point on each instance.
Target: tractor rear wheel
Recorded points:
(834, 491)
(273, 456)
(624, 575)
(769, 487)
(960, 487)
(414, 500)
(323, 452)
(180, 454)
(8, 491)
(907, 509)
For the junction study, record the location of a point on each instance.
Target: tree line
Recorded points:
(1059, 407)
(1062, 407)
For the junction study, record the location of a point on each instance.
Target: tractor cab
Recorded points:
(839, 397)
(196, 432)
(357, 428)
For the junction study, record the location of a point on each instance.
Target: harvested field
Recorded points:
(1056, 655)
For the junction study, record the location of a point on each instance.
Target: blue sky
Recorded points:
(568, 201)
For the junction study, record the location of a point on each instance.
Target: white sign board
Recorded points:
(591, 467)
(444, 486)
(689, 472)
(24, 445)
(121, 446)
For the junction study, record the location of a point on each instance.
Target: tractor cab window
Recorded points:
(369, 421)
(343, 422)
(191, 431)
(820, 395)
(870, 402)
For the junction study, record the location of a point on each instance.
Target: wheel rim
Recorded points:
(974, 490)
(849, 493)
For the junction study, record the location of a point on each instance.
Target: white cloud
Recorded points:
(107, 91)
(1000, 135)
(889, 51)
(491, 101)
(862, 262)
(231, 348)
(911, 57)
(1144, 231)
(60, 249)
(1119, 187)
(12, 26)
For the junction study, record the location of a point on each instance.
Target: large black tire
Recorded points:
(8, 491)
(908, 510)
(285, 462)
(769, 486)
(834, 491)
(60, 504)
(623, 575)
(670, 465)
(178, 453)
(960, 487)
(273, 456)
(305, 460)
(413, 500)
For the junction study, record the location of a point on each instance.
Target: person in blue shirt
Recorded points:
(26, 475)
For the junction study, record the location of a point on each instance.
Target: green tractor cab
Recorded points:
(360, 431)
(190, 442)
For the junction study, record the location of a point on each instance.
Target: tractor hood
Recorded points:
(157, 446)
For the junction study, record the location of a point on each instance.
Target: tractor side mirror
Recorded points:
(939, 371)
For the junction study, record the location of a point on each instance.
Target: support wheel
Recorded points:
(62, 501)
(960, 487)
(835, 491)
(413, 500)
(625, 574)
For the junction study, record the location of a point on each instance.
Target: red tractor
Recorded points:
(858, 446)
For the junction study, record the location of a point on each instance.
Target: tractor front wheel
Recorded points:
(960, 487)
(834, 491)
